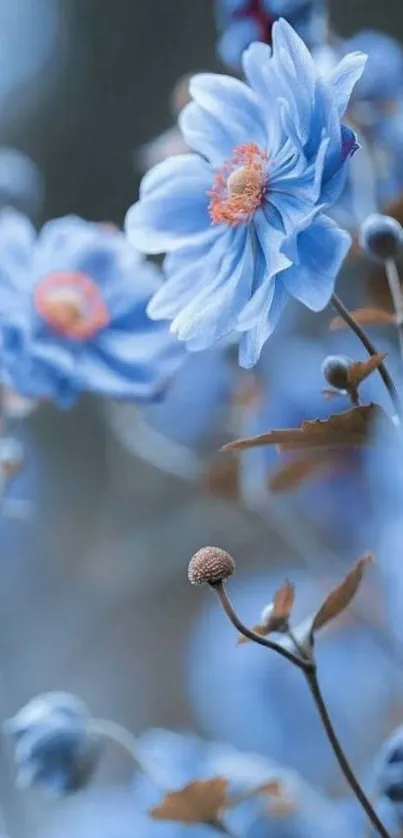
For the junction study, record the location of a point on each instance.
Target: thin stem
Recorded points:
(249, 633)
(369, 346)
(312, 681)
(397, 297)
(119, 734)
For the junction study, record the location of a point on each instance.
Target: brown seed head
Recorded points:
(210, 565)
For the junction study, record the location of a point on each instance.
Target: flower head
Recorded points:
(54, 746)
(381, 237)
(242, 219)
(74, 315)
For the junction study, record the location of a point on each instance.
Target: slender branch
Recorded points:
(348, 318)
(249, 633)
(397, 297)
(312, 681)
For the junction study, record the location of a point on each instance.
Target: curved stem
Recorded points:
(119, 734)
(397, 297)
(369, 346)
(312, 681)
(249, 633)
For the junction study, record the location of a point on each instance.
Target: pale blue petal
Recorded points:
(252, 342)
(206, 134)
(187, 270)
(214, 314)
(322, 250)
(233, 103)
(17, 239)
(173, 206)
(344, 77)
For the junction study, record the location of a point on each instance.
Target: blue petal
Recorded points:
(173, 205)
(322, 249)
(296, 64)
(344, 77)
(183, 281)
(213, 313)
(206, 135)
(252, 342)
(232, 103)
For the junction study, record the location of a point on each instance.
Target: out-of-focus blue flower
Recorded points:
(174, 760)
(74, 318)
(242, 219)
(240, 22)
(254, 699)
(54, 746)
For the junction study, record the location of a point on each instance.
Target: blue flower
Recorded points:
(240, 22)
(255, 700)
(242, 219)
(74, 318)
(174, 760)
(54, 746)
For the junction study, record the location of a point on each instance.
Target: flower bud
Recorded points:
(381, 237)
(54, 744)
(210, 565)
(335, 371)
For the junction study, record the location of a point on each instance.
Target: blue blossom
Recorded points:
(21, 182)
(242, 219)
(240, 22)
(54, 746)
(74, 315)
(255, 700)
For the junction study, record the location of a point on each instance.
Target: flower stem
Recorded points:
(312, 681)
(249, 633)
(348, 318)
(397, 297)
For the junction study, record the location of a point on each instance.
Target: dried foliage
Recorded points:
(341, 597)
(291, 475)
(278, 613)
(352, 427)
(366, 317)
(199, 802)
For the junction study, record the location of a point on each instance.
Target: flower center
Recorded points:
(71, 303)
(239, 186)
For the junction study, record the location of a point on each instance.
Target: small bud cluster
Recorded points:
(211, 566)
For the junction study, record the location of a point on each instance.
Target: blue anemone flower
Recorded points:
(242, 220)
(240, 22)
(74, 318)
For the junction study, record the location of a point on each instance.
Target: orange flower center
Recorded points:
(239, 186)
(71, 303)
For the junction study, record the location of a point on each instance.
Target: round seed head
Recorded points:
(210, 565)
(381, 236)
(335, 371)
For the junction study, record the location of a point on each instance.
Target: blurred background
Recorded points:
(94, 596)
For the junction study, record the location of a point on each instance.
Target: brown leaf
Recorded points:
(198, 802)
(365, 316)
(340, 597)
(292, 474)
(360, 370)
(283, 601)
(348, 428)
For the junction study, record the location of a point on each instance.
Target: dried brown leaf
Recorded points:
(360, 370)
(340, 597)
(258, 629)
(283, 602)
(198, 802)
(348, 428)
(222, 479)
(291, 475)
(365, 316)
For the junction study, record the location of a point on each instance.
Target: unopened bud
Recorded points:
(335, 371)
(381, 237)
(211, 566)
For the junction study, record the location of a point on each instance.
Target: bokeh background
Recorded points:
(93, 596)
